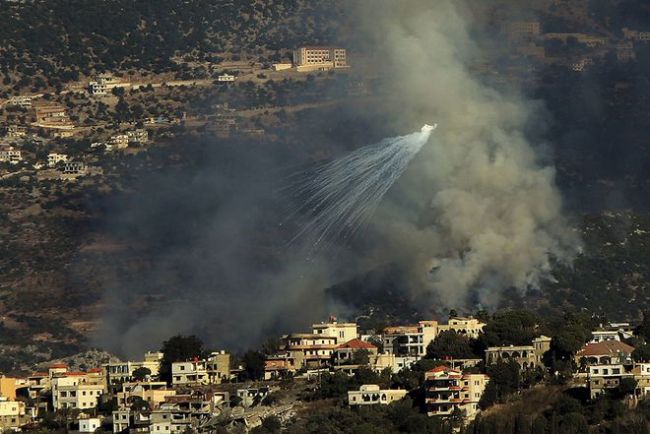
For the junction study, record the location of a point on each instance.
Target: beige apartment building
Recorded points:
(466, 326)
(12, 414)
(342, 332)
(212, 370)
(310, 350)
(319, 58)
(526, 356)
(410, 340)
(78, 390)
(447, 390)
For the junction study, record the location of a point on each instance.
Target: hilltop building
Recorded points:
(319, 58)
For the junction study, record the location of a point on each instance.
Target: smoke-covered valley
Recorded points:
(478, 211)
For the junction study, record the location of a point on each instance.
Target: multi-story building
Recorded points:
(410, 340)
(138, 136)
(527, 356)
(103, 83)
(395, 363)
(310, 350)
(343, 332)
(212, 370)
(604, 353)
(153, 392)
(78, 390)
(448, 390)
(54, 158)
(344, 354)
(121, 420)
(24, 102)
(466, 326)
(371, 394)
(13, 414)
(75, 168)
(8, 387)
(603, 377)
(16, 131)
(119, 141)
(45, 112)
(278, 365)
(319, 58)
(8, 154)
(122, 372)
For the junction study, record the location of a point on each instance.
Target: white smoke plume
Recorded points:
(479, 212)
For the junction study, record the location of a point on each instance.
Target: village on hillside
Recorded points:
(159, 394)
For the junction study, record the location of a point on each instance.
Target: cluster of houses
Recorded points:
(141, 401)
(200, 392)
(453, 388)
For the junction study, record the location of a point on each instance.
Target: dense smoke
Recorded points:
(480, 212)
(476, 212)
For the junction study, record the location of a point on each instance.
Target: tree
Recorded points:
(641, 353)
(449, 344)
(574, 423)
(141, 373)
(272, 424)
(254, 363)
(504, 380)
(643, 329)
(361, 357)
(139, 405)
(513, 327)
(626, 387)
(179, 349)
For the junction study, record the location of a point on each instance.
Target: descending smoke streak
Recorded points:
(341, 195)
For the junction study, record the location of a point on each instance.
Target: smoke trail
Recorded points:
(340, 196)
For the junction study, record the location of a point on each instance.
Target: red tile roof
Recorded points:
(443, 368)
(95, 370)
(58, 366)
(358, 344)
(605, 348)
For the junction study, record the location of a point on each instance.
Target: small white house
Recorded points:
(89, 425)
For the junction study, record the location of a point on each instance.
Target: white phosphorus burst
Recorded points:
(339, 196)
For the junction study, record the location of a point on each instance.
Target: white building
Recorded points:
(343, 332)
(20, 101)
(212, 370)
(371, 394)
(54, 158)
(138, 136)
(319, 58)
(226, 78)
(12, 414)
(121, 420)
(10, 155)
(119, 141)
(76, 391)
(410, 341)
(89, 425)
